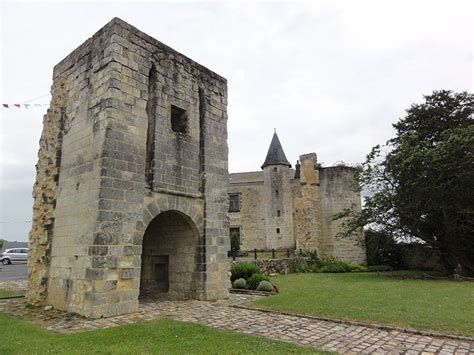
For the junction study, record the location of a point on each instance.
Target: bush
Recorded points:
(234, 241)
(240, 283)
(254, 281)
(243, 270)
(382, 249)
(301, 268)
(380, 268)
(332, 264)
(265, 286)
(358, 268)
(327, 264)
(335, 267)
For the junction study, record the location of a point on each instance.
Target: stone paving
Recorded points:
(325, 335)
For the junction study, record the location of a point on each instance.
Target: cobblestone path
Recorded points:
(324, 335)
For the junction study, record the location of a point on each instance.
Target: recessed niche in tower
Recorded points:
(179, 119)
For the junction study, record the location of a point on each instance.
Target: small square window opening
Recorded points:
(179, 120)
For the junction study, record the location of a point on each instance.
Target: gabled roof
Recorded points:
(275, 155)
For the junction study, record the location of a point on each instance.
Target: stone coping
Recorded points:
(360, 323)
(251, 292)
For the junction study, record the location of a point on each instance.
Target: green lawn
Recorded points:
(163, 336)
(6, 293)
(445, 306)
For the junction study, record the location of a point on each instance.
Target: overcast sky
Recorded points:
(330, 76)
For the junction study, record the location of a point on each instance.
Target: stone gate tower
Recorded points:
(131, 189)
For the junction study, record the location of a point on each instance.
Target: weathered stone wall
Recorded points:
(71, 129)
(279, 266)
(316, 195)
(307, 206)
(339, 190)
(44, 195)
(103, 204)
(251, 217)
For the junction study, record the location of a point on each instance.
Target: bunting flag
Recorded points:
(27, 106)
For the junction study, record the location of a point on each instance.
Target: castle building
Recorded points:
(284, 208)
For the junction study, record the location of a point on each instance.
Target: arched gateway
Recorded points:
(170, 257)
(131, 185)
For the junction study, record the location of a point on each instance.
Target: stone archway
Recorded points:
(169, 257)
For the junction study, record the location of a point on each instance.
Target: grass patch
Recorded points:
(162, 336)
(444, 306)
(6, 293)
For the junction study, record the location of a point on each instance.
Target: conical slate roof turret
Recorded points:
(275, 155)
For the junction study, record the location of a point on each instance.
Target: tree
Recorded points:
(382, 249)
(421, 182)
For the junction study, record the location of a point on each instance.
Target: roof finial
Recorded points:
(274, 130)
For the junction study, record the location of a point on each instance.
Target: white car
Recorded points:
(14, 255)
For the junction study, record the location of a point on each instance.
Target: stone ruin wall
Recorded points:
(86, 240)
(70, 85)
(339, 190)
(44, 194)
(307, 205)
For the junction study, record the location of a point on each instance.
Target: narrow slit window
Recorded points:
(277, 193)
(278, 230)
(179, 119)
(150, 136)
(278, 213)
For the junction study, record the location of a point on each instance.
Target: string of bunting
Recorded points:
(27, 106)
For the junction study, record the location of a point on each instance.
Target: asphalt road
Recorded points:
(16, 271)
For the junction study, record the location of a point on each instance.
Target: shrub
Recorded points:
(254, 281)
(301, 268)
(234, 241)
(382, 249)
(265, 286)
(332, 264)
(243, 270)
(358, 268)
(240, 283)
(335, 267)
(379, 268)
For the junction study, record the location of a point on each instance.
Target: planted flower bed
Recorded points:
(249, 277)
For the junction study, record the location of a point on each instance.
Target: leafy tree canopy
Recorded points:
(421, 182)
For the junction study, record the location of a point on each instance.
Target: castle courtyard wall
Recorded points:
(339, 190)
(317, 195)
(251, 217)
